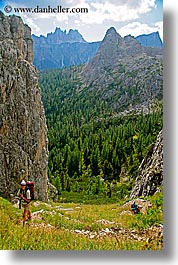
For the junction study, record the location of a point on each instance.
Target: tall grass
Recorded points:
(60, 235)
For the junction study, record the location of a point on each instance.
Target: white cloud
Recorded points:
(118, 11)
(146, 6)
(32, 24)
(98, 11)
(159, 25)
(137, 28)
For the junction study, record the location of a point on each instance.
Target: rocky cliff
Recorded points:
(23, 131)
(150, 173)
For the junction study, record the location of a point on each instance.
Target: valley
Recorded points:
(89, 141)
(88, 130)
(102, 118)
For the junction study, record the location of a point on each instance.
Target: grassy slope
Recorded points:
(56, 228)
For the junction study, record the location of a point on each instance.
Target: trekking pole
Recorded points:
(20, 204)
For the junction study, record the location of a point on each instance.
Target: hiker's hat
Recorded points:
(23, 183)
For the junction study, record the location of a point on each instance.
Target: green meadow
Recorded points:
(72, 226)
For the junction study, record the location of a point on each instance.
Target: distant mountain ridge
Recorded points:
(59, 36)
(151, 40)
(60, 49)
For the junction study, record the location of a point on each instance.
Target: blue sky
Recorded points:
(133, 17)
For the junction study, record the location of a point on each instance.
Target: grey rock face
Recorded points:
(23, 131)
(125, 70)
(114, 51)
(150, 174)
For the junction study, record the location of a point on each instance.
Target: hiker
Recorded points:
(135, 208)
(25, 202)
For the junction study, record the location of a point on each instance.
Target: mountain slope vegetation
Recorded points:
(93, 147)
(102, 118)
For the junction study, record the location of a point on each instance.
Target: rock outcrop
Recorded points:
(125, 74)
(116, 52)
(23, 130)
(150, 174)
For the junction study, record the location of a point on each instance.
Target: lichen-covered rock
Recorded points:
(52, 192)
(23, 131)
(150, 173)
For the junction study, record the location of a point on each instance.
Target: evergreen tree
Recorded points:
(89, 140)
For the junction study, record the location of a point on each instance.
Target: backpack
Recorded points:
(30, 186)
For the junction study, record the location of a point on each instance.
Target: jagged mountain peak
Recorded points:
(75, 35)
(62, 49)
(58, 30)
(74, 31)
(60, 36)
(122, 63)
(113, 48)
(112, 31)
(111, 36)
(109, 47)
